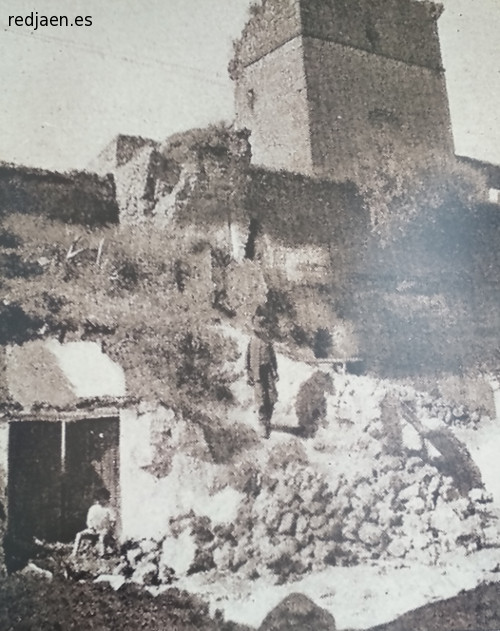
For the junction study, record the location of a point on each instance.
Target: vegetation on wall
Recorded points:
(416, 284)
(120, 288)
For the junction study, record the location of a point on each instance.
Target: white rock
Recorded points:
(145, 574)
(115, 581)
(432, 452)
(416, 505)
(397, 548)
(491, 535)
(412, 440)
(302, 524)
(33, 570)
(370, 534)
(178, 552)
(287, 524)
(317, 522)
(148, 545)
(409, 492)
(480, 496)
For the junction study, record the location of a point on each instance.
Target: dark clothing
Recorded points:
(262, 371)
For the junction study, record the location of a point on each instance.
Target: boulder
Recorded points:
(33, 570)
(397, 549)
(416, 505)
(310, 405)
(297, 612)
(148, 546)
(411, 439)
(456, 461)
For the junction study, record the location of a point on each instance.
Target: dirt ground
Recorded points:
(34, 604)
(474, 610)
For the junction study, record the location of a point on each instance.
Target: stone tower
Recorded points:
(330, 87)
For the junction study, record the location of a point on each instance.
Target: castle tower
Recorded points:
(329, 87)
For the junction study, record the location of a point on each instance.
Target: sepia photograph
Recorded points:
(250, 315)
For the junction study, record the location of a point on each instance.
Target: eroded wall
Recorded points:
(271, 101)
(166, 466)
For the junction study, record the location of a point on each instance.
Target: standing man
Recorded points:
(262, 370)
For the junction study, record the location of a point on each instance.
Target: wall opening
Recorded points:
(55, 469)
(251, 99)
(251, 244)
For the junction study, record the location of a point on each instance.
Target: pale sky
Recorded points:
(153, 67)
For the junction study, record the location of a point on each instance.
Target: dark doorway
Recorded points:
(35, 480)
(251, 244)
(54, 470)
(91, 463)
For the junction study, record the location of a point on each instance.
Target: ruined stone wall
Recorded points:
(271, 101)
(166, 466)
(272, 24)
(76, 197)
(132, 191)
(127, 146)
(365, 107)
(327, 86)
(118, 152)
(309, 240)
(297, 210)
(194, 178)
(423, 304)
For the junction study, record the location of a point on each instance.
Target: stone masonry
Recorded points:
(326, 87)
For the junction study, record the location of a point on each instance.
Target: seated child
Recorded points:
(100, 522)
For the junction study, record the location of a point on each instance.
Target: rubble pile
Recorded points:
(299, 523)
(383, 478)
(144, 562)
(452, 415)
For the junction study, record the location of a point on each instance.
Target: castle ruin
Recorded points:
(329, 87)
